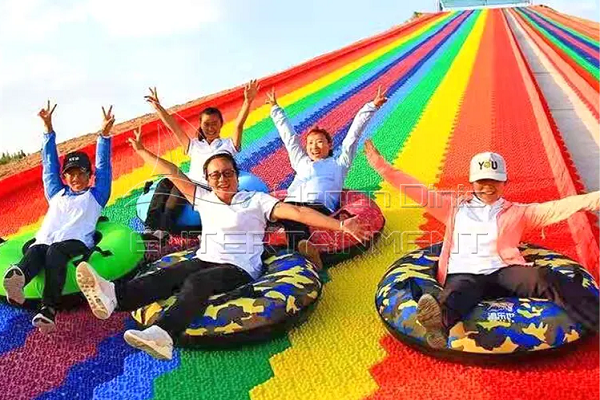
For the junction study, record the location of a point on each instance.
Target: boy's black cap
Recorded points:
(77, 159)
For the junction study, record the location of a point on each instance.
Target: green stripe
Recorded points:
(573, 31)
(392, 134)
(580, 60)
(220, 374)
(255, 132)
(236, 372)
(124, 208)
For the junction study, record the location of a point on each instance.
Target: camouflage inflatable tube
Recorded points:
(499, 327)
(269, 306)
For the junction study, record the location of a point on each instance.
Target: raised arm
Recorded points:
(350, 143)
(168, 119)
(50, 164)
(287, 133)
(102, 186)
(164, 167)
(310, 217)
(551, 212)
(250, 91)
(437, 203)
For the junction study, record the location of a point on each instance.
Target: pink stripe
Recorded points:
(340, 116)
(43, 362)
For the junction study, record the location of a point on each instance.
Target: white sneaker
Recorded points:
(99, 292)
(14, 281)
(153, 340)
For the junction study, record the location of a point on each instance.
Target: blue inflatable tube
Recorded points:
(189, 217)
(251, 183)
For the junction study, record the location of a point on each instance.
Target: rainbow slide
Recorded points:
(457, 84)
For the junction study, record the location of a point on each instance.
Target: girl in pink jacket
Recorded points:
(480, 257)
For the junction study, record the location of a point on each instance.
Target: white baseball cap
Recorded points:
(487, 165)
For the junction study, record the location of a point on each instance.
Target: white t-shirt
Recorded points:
(474, 240)
(200, 151)
(233, 234)
(70, 218)
(320, 181)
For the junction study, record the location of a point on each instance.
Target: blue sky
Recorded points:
(87, 53)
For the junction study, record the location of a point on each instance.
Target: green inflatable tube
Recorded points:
(125, 246)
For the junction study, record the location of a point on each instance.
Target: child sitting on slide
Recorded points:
(69, 225)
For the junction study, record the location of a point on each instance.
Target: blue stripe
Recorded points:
(137, 380)
(17, 332)
(270, 142)
(7, 314)
(104, 366)
(584, 41)
(594, 61)
(397, 92)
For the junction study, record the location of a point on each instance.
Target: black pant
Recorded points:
(165, 208)
(194, 281)
(462, 292)
(53, 260)
(296, 231)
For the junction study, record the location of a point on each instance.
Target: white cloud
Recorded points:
(36, 20)
(137, 18)
(40, 69)
(78, 111)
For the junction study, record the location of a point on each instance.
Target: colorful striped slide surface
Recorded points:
(457, 84)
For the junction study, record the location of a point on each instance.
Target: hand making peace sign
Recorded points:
(153, 98)
(109, 121)
(271, 97)
(136, 141)
(46, 116)
(380, 98)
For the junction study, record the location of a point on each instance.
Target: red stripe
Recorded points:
(585, 74)
(27, 185)
(473, 133)
(590, 30)
(587, 95)
(408, 374)
(43, 362)
(343, 113)
(490, 119)
(585, 237)
(517, 138)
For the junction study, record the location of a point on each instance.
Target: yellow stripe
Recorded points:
(122, 185)
(136, 178)
(334, 350)
(262, 112)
